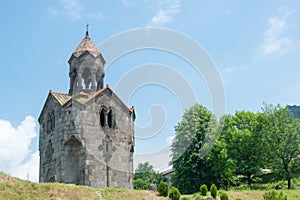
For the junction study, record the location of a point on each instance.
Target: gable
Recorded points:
(109, 94)
(54, 98)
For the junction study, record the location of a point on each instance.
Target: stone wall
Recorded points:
(79, 150)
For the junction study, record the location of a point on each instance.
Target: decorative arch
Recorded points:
(50, 124)
(49, 151)
(87, 79)
(73, 161)
(103, 116)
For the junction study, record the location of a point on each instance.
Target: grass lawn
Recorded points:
(257, 194)
(16, 189)
(13, 189)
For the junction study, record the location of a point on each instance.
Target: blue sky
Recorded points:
(255, 46)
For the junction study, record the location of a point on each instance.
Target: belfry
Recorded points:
(87, 135)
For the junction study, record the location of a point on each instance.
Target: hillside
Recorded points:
(295, 110)
(13, 188)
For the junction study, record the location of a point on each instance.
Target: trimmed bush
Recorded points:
(197, 197)
(140, 184)
(274, 195)
(213, 191)
(203, 190)
(185, 198)
(163, 188)
(174, 194)
(223, 196)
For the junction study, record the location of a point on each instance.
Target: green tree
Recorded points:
(219, 160)
(146, 172)
(244, 143)
(282, 133)
(191, 168)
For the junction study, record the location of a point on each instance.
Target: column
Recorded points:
(93, 77)
(105, 118)
(79, 81)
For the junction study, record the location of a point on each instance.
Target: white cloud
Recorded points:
(230, 69)
(15, 156)
(276, 42)
(74, 10)
(167, 9)
(29, 169)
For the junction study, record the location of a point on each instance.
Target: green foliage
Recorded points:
(282, 135)
(185, 198)
(238, 199)
(174, 194)
(248, 155)
(223, 196)
(248, 143)
(146, 172)
(213, 190)
(274, 195)
(197, 197)
(203, 190)
(140, 184)
(163, 188)
(187, 157)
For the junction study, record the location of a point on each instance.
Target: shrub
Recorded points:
(196, 197)
(274, 195)
(223, 196)
(203, 190)
(140, 184)
(174, 194)
(238, 199)
(163, 189)
(213, 191)
(185, 198)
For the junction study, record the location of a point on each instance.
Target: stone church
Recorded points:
(87, 136)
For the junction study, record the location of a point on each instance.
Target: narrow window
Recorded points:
(48, 125)
(110, 117)
(102, 117)
(107, 176)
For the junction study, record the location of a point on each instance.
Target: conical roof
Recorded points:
(86, 45)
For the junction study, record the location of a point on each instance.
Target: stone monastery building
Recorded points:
(87, 136)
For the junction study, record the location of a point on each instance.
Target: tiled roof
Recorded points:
(60, 97)
(169, 171)
(81, 97)
(86, 45)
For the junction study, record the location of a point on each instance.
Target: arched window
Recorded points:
(49, 123)
(111, 118)
(102, 116)
(87, 78)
